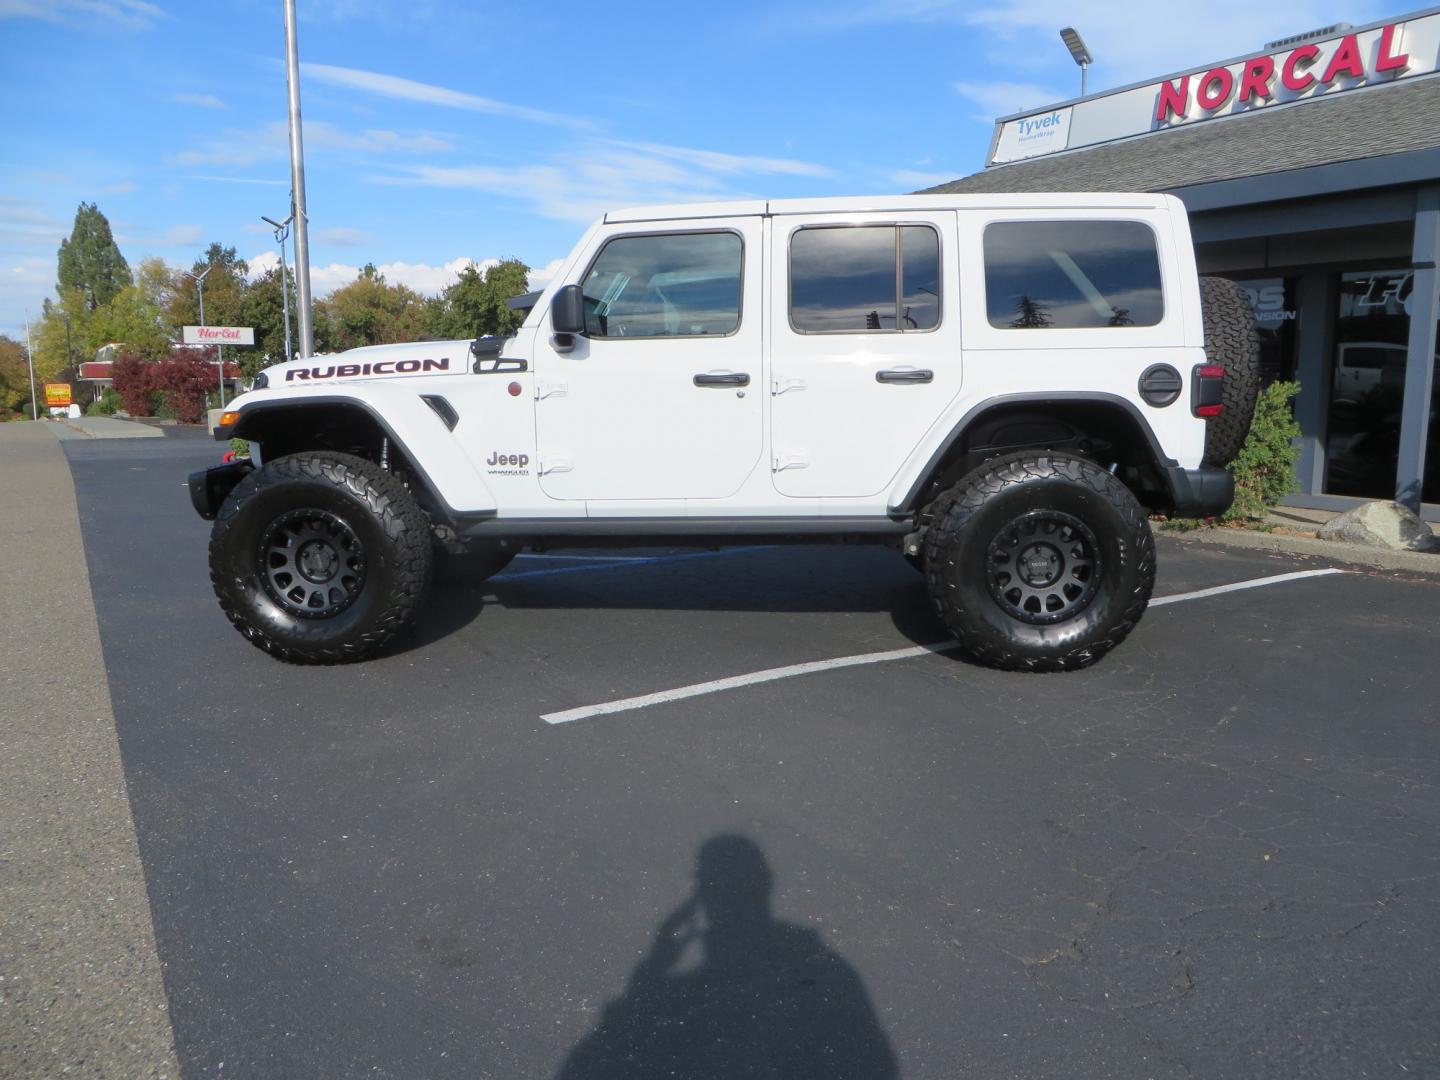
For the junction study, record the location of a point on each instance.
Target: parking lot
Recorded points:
(689, 814)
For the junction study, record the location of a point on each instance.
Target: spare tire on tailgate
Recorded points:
(1231, 340)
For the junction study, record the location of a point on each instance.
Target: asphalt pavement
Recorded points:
(1211, 855)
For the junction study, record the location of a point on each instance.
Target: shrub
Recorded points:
(185, 380)
(134, 382)
(105, 404)
(1264, 471)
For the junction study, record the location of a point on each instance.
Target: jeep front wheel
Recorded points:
(320, 558)
(1040, 562)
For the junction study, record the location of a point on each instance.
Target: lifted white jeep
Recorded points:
(998, 386)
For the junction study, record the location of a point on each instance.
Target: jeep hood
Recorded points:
(407, 360)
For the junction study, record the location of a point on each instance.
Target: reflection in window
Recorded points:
(1070, 275)
(676, 285)
(870, 277)
(1367, 384)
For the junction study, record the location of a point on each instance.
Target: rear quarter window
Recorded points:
(1072, 275)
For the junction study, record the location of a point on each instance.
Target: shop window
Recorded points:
(1367, 384)
(1071, 275)
(1274, 302)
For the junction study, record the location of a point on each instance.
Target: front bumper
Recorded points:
(1198, 493)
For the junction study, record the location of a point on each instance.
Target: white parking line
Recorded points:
(735, 682)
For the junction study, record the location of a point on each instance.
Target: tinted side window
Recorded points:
(1068, 275)
(675, 285)
(869, 277)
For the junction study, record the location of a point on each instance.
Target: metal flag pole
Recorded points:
(297, 187)
(30, 359)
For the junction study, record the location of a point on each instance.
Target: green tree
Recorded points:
(474, 305)
(14, 379)
(225, 287)
(369, 311)
(262, 308)
(63, 337)
(90, 261)
(133, 319)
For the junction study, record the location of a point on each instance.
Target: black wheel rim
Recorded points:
(1043, 567)
(312, 563)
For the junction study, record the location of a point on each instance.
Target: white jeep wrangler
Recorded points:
(998, 386)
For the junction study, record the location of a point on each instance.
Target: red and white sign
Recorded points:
(1348, 60)
(219, 335)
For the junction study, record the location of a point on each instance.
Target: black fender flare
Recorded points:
(244, 428)
(1162, 461)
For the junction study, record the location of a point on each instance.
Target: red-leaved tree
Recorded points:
(134, 381)
(185, 379)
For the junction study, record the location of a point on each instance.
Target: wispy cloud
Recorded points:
(183, 235)
(99, 14)
(1002, 98)
(239, 180)
(342, 237)
(203, 101)
(272, 141)
(601, 175)
(124, 187)
(727, 164)
(913, 179)
(401, 89)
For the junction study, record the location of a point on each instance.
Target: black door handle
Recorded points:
(905, 375)
(731, 378)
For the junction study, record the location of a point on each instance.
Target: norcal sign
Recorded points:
(1348, 59)
(219, 335)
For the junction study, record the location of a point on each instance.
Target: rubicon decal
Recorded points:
(382, 367)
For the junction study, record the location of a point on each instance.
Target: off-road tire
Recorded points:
(471, 566)
(1019, 497)
(382, 533)
(1231, 339)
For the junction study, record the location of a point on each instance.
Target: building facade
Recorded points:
(1311, 171)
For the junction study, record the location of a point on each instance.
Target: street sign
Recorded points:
(219, 335)
(57, 395)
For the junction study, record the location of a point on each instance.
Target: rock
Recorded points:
(1382, 525)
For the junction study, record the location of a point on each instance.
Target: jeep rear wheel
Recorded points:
(1040, 562)
(320, 558)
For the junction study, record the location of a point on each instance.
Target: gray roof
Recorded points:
(1346, 127)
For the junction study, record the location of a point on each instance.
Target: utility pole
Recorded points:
(200, 286)
(297, 187)
(30, 359)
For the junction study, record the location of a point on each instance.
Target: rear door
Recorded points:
(865, 346)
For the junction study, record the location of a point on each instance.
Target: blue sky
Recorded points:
(441, 132)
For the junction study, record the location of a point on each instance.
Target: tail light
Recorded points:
(1207, 390)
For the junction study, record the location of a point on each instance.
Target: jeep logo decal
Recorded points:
(383, 367)
(508, 464)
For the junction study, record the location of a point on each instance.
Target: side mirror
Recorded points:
(567, 311)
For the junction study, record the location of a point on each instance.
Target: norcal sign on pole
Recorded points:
(219, 335)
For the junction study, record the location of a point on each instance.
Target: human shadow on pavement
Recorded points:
(766, 998)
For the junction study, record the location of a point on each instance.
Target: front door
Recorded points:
(865, 335)
(662, 397)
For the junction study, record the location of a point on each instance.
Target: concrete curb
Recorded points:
(1414, 562)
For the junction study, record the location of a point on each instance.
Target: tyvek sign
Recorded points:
(1032, 136)
(1347, 61)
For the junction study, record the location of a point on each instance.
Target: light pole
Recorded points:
(297, 187)
(30, 360)
(220, 349)
(282, 230)
(1076, 44)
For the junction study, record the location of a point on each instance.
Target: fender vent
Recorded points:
(443, 409)
(1160, 385)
